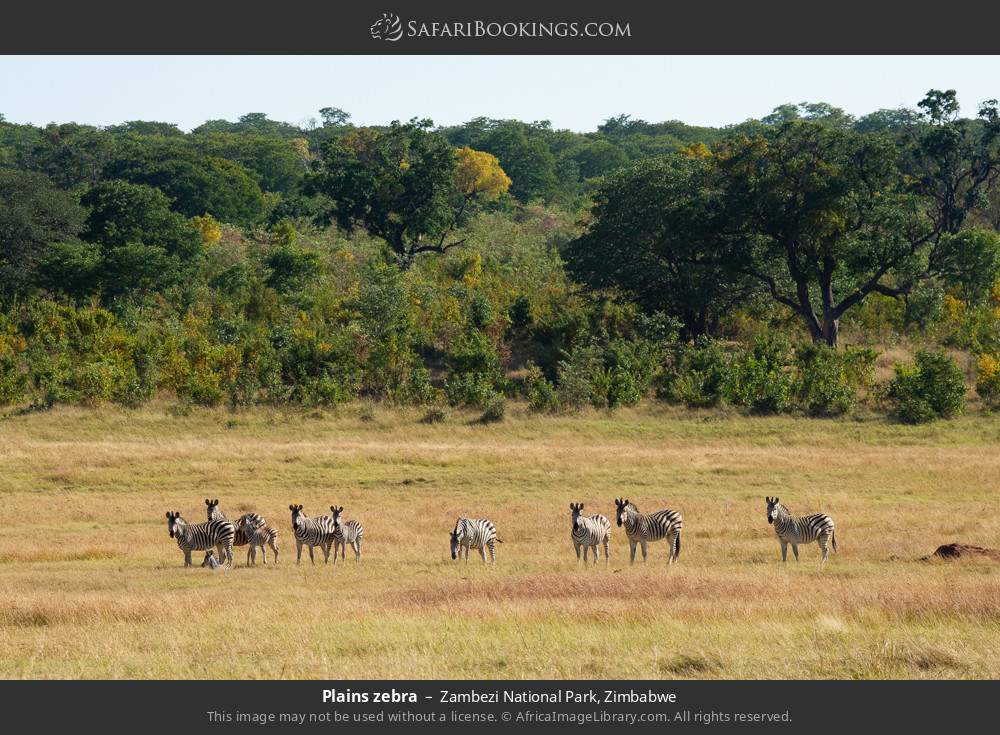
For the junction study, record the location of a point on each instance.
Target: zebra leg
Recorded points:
(632, 548)
(577, 547)
(311, 557)
(274, 548)
(607, 558)
(251, 555)
(263, 554)
(187, 557)
(645, 546)
(597, 555)
(795, 550)
(466, 554)
(784, 550)
(493, 553)
(326, 553)
(298, 551)
(825, 549)
(585, 550)
(672, 540)
(357, 550)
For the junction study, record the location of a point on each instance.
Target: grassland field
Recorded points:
(93, 587)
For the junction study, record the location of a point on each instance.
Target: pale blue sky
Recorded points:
(576, 92)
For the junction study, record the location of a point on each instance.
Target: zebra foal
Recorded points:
(642, 529)
(794, 530)
(474, 533)
(202, 537)
(347, 533)
(251, 530)
(588, 532)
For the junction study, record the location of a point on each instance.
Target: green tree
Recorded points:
(652, 221)
(34, 214)
(197, 183)
(400, 184)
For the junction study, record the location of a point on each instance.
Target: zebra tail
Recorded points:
(498, 540)
(833, 538)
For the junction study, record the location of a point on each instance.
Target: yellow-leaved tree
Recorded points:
(478, 173)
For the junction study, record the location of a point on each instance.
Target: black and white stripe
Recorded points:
(251, 529)
(794, 530)
(202, 537)
(642, 529)
(347, 533)
(311, 532)
(589, 531)
(477, 533)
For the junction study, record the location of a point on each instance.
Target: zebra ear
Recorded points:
(168, 514)
(775, 498)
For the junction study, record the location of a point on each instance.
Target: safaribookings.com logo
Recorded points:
(390, 28)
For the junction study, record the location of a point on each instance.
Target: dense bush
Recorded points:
(696, 376)
(933, 387)
(760, 377)
(827, 381)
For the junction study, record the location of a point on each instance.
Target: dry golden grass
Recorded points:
(93, 587)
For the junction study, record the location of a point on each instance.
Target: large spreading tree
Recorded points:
(406, 185)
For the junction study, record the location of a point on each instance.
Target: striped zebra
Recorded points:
(589, 531)
(202, 537)
(251, 529)
(348, 533)
(476, 533)
(794, 530)
(311, 532)
(641, 529)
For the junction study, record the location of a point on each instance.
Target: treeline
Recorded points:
(261, 262)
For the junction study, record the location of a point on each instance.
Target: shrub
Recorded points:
(988, 379)
(541, 394)
(469, 389)
(494, 409)
(760, 378)
(434, 415)
(696, 376)
(933, 387)
(582, 378)
(827, 381)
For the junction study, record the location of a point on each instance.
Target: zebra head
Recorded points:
(576, 508)
(174, 522)
(213, 509)
(774, 508)
(456, 540)
(622, 506)
(336, 510)
(296, 514)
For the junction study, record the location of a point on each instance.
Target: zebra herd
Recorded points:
(219, 534)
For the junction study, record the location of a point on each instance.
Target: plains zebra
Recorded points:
(793, 530)
(251, 529)
(202, 537)
(311, 532)
(348, 533)
(641, 529)
(589, 531)
(476, 533)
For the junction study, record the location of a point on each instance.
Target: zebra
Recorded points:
(251, 528)
(641, 529)
(210, 561)
(794, 530)
(312, 532)
(588, 532)
(476, 533)
(348, 533)
(202, 537)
